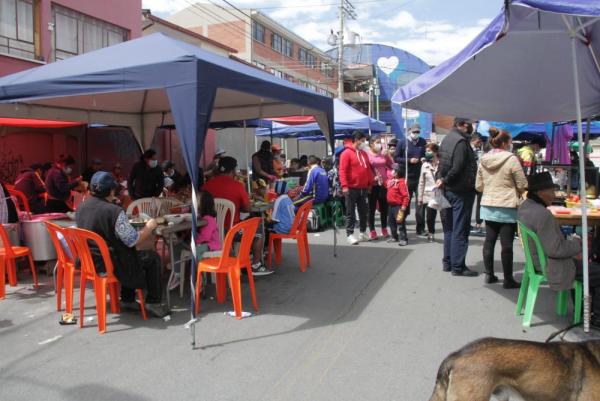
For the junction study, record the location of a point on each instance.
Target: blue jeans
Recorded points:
(456, 222)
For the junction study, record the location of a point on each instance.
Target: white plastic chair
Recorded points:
(149, 206)
(223, 207)
(167, 203)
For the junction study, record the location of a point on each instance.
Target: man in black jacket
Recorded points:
(31, 184)
(412, 150)
(456, 175)
(146, 179)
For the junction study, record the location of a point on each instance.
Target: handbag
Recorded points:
(400, 216)
(438, 201)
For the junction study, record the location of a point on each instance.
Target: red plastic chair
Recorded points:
(21, 203)
(65, 266)
(10, 254)
(2, 278)
(81, 240)
(297, 232)
(230, 266)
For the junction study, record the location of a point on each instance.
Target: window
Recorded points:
(288, 48)
(276, 42)
(17, 28)
(277, 73)
(258, 32)
(260, 65)
(326, 69)
(288, 77)
(75, 33)
(307, 58)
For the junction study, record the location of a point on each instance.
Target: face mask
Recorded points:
(414, 135)
(377, 147)
(153, 163)
(68, 170)
(363, 146)
(429, 155)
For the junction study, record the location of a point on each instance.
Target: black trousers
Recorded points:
(506, 232)
(150, 263)
(430, 215)
(413, 185)
(478, 219)
(397, 230)
(378, 195)
(356, 199)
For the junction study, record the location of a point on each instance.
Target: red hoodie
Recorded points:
(355, 168)
(397, 192)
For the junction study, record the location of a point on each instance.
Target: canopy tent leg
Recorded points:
(582, 191)
(247, 162)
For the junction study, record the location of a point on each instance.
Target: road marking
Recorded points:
(50, 340)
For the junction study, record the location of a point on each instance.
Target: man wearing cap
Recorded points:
(30, 183)
(134, 268)
(212, 168)
(456, 176)
(89, 172)
(564, 258)
(411, 152)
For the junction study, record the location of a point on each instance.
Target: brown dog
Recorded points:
(536, 371)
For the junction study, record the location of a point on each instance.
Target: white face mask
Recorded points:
(363, 146)
(415, 135)
(377, 147)
(68, 170)
(153, 163)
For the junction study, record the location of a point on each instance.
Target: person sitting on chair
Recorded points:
(317, 184)
(134, 267)
(564, 258)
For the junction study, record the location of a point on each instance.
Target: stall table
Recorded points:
(572, 216)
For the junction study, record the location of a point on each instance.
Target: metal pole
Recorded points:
(247, 163)
(341, 53)
(582, 191)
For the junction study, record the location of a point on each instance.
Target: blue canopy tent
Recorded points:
(517, 130)
(158, 78)
(346, 120)
(547, 50)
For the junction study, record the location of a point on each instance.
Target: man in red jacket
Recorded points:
(356, 178)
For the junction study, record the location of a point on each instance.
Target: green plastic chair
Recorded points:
(324, 215)
(532, 280)
(337, 214)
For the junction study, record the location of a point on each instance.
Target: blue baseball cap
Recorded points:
(101, 183)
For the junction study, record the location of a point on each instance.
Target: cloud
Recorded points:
(163, 6)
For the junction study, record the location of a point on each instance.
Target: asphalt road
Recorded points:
(372, 324)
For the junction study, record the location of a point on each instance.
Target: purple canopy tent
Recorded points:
(547, 49)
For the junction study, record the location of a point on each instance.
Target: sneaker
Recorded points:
(352, 240)
(363, 237)
(385, 233)
(430, 238)
(422, 235)
(402, 242)
(157, 310)
(259, 269)
(390, 240)
(373, 235)
(175, 282)
(465, 272)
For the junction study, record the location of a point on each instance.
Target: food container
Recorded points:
(37, 238)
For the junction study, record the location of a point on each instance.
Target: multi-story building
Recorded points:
(263, 42)
(34, 32)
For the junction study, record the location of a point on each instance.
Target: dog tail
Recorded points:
(443, 379)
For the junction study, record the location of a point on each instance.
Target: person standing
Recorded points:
(356, 178)
(146, 179)
(59, 186)
(411, 152)
(262, 163)
(31, 184)
(397, 197)
(501, 180)
(381, 163)
(456, 176)
(426, 186)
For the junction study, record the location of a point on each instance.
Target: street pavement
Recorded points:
(372, 324)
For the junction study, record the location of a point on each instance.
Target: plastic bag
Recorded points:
(438, 201)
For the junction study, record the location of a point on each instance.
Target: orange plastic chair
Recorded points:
(22, 204)
(297, 232)
(230, 266)
(81, 240)
(65, 266)
(10, 254)
(2, 278)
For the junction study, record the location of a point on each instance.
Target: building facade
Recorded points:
(34, 32)
(372, 74)
(263, 42)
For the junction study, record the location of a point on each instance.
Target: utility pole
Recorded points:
(346, 9)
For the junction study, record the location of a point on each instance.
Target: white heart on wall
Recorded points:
(388, 64)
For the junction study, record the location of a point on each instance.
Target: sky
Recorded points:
(433, 30)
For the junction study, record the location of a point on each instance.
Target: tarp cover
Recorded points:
(518, 69)
(346, 120)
